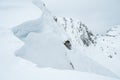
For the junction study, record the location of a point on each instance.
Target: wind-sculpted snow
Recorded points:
(44, 44)
(24, 29)
(45, 50)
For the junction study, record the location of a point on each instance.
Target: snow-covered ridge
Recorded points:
(76, 30)
(61, 43)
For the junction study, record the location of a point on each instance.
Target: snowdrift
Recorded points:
(44, 40)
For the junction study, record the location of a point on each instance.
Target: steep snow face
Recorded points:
(45, 50)
(43, 42)
(14, 68)
(45, 39)
(45, 47)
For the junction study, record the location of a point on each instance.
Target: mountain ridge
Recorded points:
(77, 47)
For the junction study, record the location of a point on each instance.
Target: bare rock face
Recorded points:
(68, 44)
(77, 31)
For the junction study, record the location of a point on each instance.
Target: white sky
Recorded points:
(98, 15)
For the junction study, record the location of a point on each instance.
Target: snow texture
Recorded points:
(44, 45)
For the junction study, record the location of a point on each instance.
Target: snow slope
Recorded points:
(44, 46)
(108, 45)
(14, 68)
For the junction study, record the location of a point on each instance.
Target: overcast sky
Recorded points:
(98, 15)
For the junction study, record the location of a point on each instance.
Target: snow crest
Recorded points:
(44, 44)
